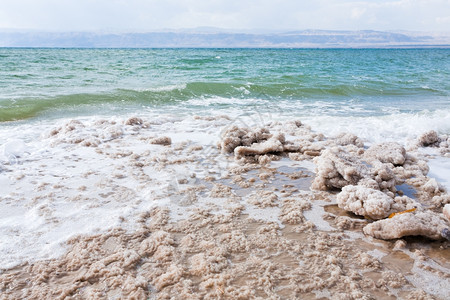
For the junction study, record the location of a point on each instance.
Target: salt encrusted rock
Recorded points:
(294, 128)
(446, 211)
(163, 140)
(384, 177)
(433, 187)
(404, 203)
(413, 167)
(134, 121)
(429, 138)
(344, 139)
(365, 201)
(234, 137)
(337, 168)
(388, 152)
(440, 200)
(86, 134)
(254, 143)
(371, 203)
(67, 127)
(272, 145)
(426, 224)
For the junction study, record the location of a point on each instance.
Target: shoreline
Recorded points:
(183, 216)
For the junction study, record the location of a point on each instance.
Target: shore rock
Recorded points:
(428, 224)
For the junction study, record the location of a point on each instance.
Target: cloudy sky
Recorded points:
(147, 15)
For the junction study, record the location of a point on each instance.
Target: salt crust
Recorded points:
(205, 257)
(423, 223)
(338, 167)
(263, 199)
(367, 179)
(252, 144)
(389, 152)
(433, 139)
(344, 139)
(429, 138)
(163, 140)
(372, 203)
(210, 256)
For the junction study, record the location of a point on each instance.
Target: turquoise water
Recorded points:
(50, 83)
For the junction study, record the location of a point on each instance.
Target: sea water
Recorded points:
(370, 91)
(52, 189)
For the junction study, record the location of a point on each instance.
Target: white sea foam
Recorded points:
(164, 88)
(14, 148)
(440, 170)
(215, 101)
(399, 127)
(332, 118)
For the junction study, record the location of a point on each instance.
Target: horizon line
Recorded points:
(207, 29)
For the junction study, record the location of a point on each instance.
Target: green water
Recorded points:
(43, 83)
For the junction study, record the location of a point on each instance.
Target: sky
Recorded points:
(154, 15)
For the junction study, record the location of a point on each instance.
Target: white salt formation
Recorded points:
(344, 139)
(152, 209)
(251, 145)
(446, 211)
(163, 140)
(275, 144)
(425, 223)
(88, 134)
(134, 121)
(433, 187)
(368, 181)
(432, 139)
(392, 153)
(235, 136)
(444, 145)
(263, 199)
(372, 203)
(428, 139)
(381, 176)
(337, 168)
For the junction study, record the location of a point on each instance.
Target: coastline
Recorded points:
(165, 212)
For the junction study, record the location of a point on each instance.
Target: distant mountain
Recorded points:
(215, 38)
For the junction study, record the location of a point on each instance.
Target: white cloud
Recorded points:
(429, 15)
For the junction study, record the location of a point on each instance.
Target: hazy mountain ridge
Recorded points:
(222, 38)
